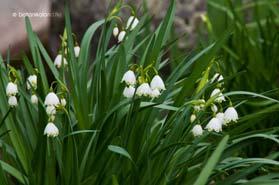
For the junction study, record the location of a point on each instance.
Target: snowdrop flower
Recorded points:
(63, 102)
(197, 130)
(12, 101)
(51, 99)
(51, 130)
(214, 108)
(193, 118)
(129, 92)
(132, 22)
(31, 82)
(155, 93)
(121, 36)
(115, 31)
(144, 90)
(34, 99)
(129, 78)
(76, 50)
(50, 110)
(11, 89)
(157, 83)
(220, 98)
(230, 115)
(214, 125)
(221, 117)
(58, 61)
(217, 77)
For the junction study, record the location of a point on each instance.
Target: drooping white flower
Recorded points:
(221, 116)
(217, 77)
(214, 125)
(58, 61)
(76, 50)
(11, 89)
(132, 22)
(51, 130)
(31, 82)
(144, 90)
(197, 130)
(193, 117)
(115, 31)
(220, 97)
(34, 99)
(121, 36)
(12, 101)
(157, 83)
(63, 102)
(230, 115)
(50, 110)
(155, 93)
(214, 108)
(51, 99)
(129, 92)
(129, 78)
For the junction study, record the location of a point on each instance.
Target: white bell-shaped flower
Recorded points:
(115, 31)
(51, 99)
(230, 115)
(63, 102)
(221, 117)
(157, 83)
(51, 130)
(214, 108)
(50, 110)
(58, 61)
(197, 130)
(12, 101)
(129, 92)
(31, 82)
(217, 77)
(214, 125)
(144, 90)
(193, 117)
(11, 89)
(129, 78)
(155, 93)
(220, 97)
(34, 99)
(76, 50)
(132, 22)
(121, 36)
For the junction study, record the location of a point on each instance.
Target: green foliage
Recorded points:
(105, 138)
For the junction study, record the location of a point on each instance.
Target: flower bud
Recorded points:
(121, 36)
(58, 61)
(132, 23)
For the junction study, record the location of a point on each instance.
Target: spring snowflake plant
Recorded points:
(115, 118)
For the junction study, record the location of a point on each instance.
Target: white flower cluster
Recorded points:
(153, 90)
(52, 102)
(31, 84)
(131, 24)
(219, 119)
(11, 92)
